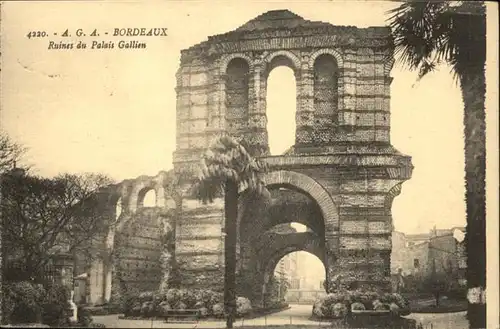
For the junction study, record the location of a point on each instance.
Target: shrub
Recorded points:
(318, 308)
(84, 317)
(330, 305)
(173, 296)
(180, 306)
(23, 302)
(189, 298)
(56, 307)
(243, 306)
(146, 296)
(130, 305)
(148, 309)
(164, 307)
(394, 308)
(339, 310)
(357, 306)
(218, 309)
(204, 311)
(381, 307)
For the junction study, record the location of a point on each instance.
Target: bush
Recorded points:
(339, 310)
(318, 308)
(84, 317)
(56, 307)
(357, 306)
(218, 310)
(148, 309)
(381, 307)
(163, 308)
(150, 304)
(23, 302)
(128, 303)
(180, 306)
(243, 306)
(330, 306)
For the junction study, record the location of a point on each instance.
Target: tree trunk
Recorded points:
(473, 91)
(231, 215)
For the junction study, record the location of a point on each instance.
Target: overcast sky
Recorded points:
(114, 111)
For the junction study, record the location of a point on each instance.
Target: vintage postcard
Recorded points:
(252, 164)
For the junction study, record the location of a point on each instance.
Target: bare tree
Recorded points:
(10, 153)
(44, 217)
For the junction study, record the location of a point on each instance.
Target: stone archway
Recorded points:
(312, 188)
(271, 248)
(342, 158)
(256, 261)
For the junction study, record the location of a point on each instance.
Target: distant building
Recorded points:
(418, 254)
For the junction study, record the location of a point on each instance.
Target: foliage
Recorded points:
(357, 306)
(10, 153)
(227, 168)
(44, 217)
(84, 317)
(22, 302)
(210, 303)
(26, 302)
(56, 306)
(340, 304)
(227, 160)
(243, 306)
(427, 34)
(277, 289)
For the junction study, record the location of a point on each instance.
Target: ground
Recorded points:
(295, 317)
(446, 305)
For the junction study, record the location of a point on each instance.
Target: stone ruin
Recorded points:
(339, 179)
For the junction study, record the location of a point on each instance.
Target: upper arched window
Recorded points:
(237, 76)
(147, 198)
(326, 75)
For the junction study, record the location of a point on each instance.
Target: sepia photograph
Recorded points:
(249, 164)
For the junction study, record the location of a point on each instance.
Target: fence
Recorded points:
(279, 319)
(49, 274)
(299, 296)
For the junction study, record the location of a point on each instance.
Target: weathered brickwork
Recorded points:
(342, 159)
(339, 179)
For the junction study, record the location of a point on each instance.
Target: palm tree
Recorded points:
(226, 169)
(427, 34)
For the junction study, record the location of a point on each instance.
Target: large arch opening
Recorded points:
(298, 278)
(281, 101)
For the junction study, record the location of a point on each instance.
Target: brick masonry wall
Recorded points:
(140, 251)
(200, 245)
(350, 169)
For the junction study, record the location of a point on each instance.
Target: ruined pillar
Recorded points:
(167, 240)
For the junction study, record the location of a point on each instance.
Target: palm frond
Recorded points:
(227, 160)
(427, 34)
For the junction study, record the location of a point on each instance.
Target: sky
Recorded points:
(114, 111)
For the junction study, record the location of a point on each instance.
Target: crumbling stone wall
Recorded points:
(342, 157)
(342, 160)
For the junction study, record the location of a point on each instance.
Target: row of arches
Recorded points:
(282, 85)
(147, 199)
